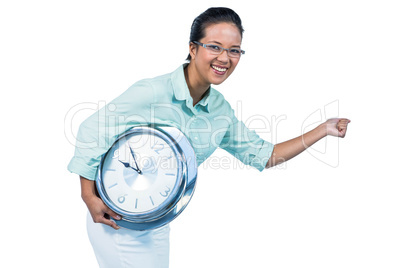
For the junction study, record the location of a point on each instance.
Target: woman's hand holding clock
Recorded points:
(99, 211)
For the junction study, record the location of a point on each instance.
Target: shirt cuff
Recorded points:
(77, 167)
(260, 160)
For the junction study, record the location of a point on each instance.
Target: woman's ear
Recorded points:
(193, 50)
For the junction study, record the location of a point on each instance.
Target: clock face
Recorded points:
(141, 172)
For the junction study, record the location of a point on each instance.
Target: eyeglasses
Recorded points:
(217, 50)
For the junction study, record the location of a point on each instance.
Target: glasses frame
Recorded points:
(242, 52)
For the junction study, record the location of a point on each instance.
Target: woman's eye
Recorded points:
(235, 51)
(215, 48)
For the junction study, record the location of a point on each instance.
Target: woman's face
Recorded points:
(214, 69)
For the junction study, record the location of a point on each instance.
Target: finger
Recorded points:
(114, 225)
(111, 222)
(108, 222)
(344, 121)
(343, 132)
(342, 124)
(112, 214)
(342, 127)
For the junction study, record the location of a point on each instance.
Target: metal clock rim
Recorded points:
(153, 213)
(161, 216)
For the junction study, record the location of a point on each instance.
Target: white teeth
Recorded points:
(219, 69)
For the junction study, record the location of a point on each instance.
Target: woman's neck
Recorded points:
(196, 87)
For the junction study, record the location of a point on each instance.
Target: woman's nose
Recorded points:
(223, 57)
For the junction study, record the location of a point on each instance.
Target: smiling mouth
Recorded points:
(219, 69)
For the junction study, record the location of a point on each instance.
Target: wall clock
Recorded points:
(148, 176)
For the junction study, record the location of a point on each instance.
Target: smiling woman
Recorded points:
(183, 99)
(210, 17)
(212, 60)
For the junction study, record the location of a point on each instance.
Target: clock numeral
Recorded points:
(136, 202)
(170, 174)
(152, 201)
(121, 199)
(166, 192)
(116, 154)
(157, 147)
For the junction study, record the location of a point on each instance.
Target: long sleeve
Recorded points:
(246, 145)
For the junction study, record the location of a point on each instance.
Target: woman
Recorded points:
(186, 100)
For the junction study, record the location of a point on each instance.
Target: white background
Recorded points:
(337, 205)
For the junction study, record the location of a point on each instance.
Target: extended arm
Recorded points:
(286, 150)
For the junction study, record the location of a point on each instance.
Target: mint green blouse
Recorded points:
(166, 99)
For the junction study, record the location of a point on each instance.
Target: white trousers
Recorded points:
(127, 248)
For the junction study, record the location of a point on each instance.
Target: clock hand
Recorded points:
(133, 155)
(127, 165)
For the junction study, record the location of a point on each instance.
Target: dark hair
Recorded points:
(213, 15)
